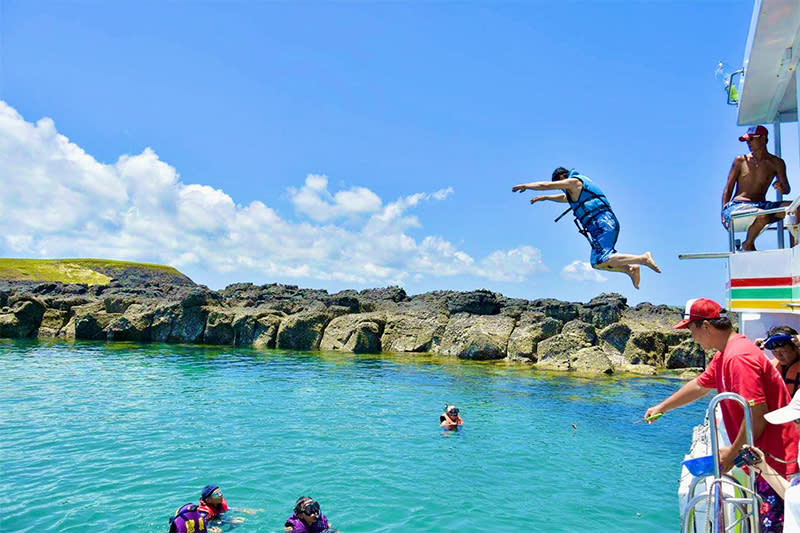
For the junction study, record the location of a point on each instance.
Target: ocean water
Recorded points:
(113, 437)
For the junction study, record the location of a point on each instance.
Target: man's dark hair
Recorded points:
(781, 330)
(560, 173)
(298, 506)
(723, 322)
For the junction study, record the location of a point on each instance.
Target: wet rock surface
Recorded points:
(602, 336)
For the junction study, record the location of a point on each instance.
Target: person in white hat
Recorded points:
(738, 366)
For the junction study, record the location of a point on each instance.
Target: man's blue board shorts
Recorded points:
(604, 230)
(743, 205)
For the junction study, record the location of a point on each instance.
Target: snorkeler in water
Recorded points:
(307, 518)
(450, 419)
(213, 506)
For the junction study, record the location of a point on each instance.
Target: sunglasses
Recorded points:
(452, 412)
(216, 494)
(310, 508)
(777, 341)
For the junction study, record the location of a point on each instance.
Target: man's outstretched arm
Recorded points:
(688, 393)
(552, 197)
(571, 185)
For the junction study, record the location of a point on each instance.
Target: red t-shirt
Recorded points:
(744, 369)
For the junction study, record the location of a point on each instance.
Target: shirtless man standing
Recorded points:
(748, 182)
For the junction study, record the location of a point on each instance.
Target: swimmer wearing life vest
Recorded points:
(450, 419)
(212, 502)
(307, 518)
(213, 506)
(188, 519)
(595, 220)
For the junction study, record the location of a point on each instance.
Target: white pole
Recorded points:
(777, 133)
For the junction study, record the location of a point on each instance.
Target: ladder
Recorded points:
(732, 510)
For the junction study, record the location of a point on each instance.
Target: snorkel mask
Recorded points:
(310, 508)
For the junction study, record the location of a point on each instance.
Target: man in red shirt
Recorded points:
(739, 366)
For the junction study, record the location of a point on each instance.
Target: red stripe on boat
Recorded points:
(764, 282)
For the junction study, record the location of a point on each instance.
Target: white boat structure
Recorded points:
(763, 287)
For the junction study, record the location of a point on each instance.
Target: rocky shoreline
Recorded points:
(603, 336)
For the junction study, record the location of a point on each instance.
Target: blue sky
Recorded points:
(359, 144)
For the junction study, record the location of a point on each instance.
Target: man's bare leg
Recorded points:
(619, 261)
(754, 230)
(635, 274)
(633, 271)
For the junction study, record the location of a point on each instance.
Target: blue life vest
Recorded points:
(591, 202)
(188, 519)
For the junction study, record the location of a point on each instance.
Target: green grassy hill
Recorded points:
(89, 271)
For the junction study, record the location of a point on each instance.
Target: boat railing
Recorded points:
(733, 247)
(715, 497)
(779, 225)
(740, 514)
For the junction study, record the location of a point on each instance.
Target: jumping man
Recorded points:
(598, 223)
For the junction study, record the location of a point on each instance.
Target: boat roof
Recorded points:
(769, 89)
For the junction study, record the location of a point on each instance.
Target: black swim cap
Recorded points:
(559, 172)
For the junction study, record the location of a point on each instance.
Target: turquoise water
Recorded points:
(101, 437)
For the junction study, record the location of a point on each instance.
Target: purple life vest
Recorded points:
(298, 526)
(188, 519)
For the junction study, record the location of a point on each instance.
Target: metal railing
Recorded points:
(759, 212)
(733, 245)
(716, 499)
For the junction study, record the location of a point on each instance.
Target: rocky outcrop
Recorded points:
(532, 327)
(602, 336)
(21, 317)
(558, 351)
(302, 331)
(477, 337)
(413, 331)
(687, 354)
(358, 333)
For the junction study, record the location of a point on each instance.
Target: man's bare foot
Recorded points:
(635, 274)
(649, 263)
(748, 247)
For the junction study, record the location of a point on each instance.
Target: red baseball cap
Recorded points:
(699, 309)
(754, 131)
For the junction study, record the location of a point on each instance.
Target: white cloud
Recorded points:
(315, 201)
(58, 201)
(582, 271)
(513, 265)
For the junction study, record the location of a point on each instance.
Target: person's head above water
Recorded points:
(560, 173)
(211, 493)
(307, 509)
(452, 410)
